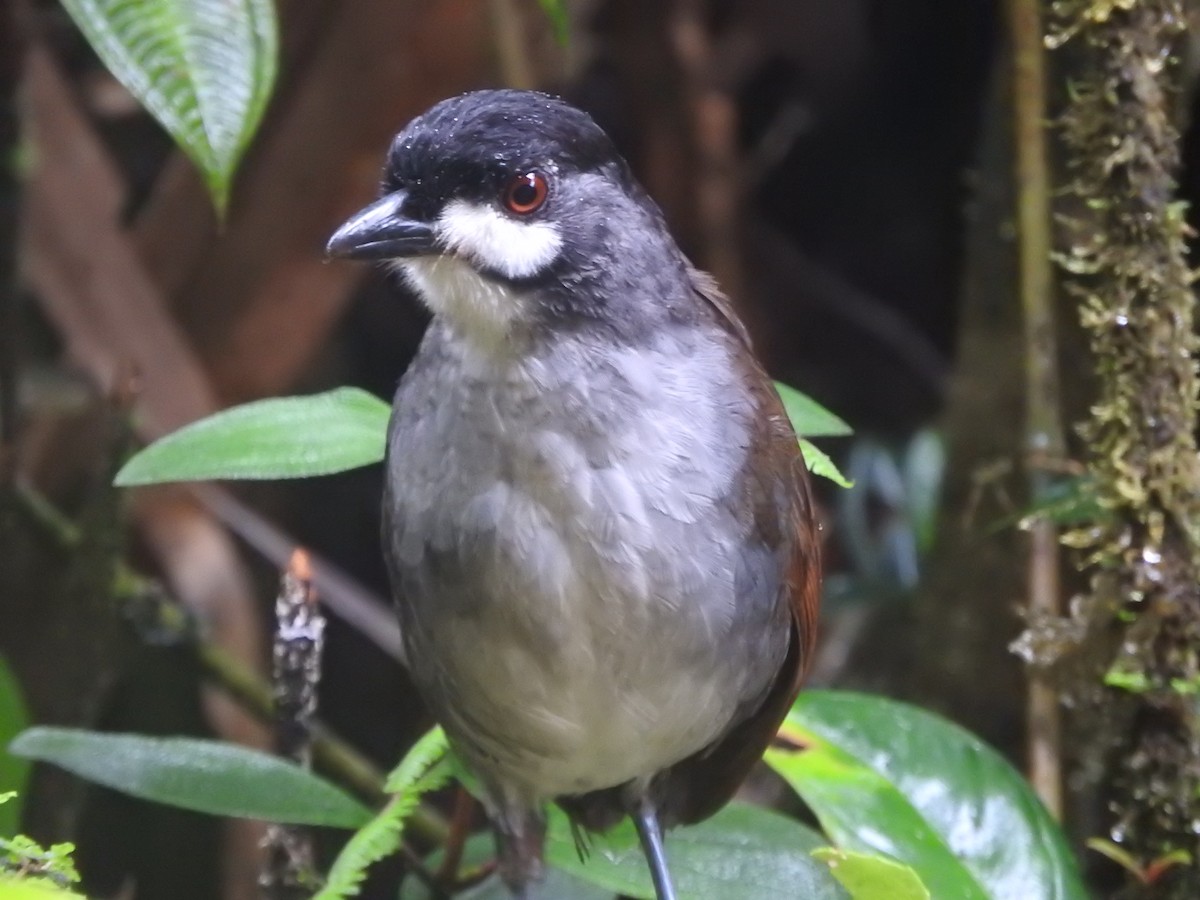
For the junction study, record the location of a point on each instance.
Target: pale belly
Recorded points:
(581, 717)
(582, 603)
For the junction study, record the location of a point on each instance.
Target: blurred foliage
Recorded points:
(14, 771)
(30, 872)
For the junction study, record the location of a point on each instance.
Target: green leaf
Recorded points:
(819, 463)
(810, 418)
(870, 877)
(424, 754)
(205, 776)
(426, 767)
(27, 858)
(478, 852)
(741, 853)
(14, 771)
(285, 437)
(885, 777)
(556, 12)
(203, 68)
(557, 884)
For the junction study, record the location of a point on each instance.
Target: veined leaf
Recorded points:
(284, 437)
(479, 854)
(205, 776)
(884, 777)
(742, 853)
(203, 68)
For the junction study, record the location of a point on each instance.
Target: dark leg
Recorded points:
(646, 819)
(519, 840)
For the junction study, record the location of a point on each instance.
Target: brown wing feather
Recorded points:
(695, 788)
(698, 786)
(707, 289)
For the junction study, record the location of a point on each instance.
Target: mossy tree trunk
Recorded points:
(1126, 264)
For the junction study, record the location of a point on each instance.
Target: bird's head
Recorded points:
(508, 210)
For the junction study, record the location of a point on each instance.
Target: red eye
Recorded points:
(526, 193)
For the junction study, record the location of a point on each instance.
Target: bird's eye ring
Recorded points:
(525, 193)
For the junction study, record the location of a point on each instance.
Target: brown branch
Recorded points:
(714, 133)
(342, 594)
(1043, 424)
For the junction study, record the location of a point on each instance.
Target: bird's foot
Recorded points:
(519, 841)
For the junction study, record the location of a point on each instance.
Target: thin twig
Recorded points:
(289, 871)
(460, 828)
(299, 641)
(1043, 424)
(340, 593)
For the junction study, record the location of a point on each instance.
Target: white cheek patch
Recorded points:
(514, 248)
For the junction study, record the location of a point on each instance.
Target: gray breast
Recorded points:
(568, 554)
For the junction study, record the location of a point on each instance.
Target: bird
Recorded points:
(597, 523)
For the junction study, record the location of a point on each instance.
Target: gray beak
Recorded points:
(381, 231)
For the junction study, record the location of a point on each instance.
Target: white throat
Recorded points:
(478, 237)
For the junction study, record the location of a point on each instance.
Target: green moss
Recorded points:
(1126, 266)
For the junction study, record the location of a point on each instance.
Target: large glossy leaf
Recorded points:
(557, 884)
(885, 777)
(203, 68)
(480, 852)
(205, 776)
(871, 877)
(285, 437)
(741, 853)
(14, 771)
